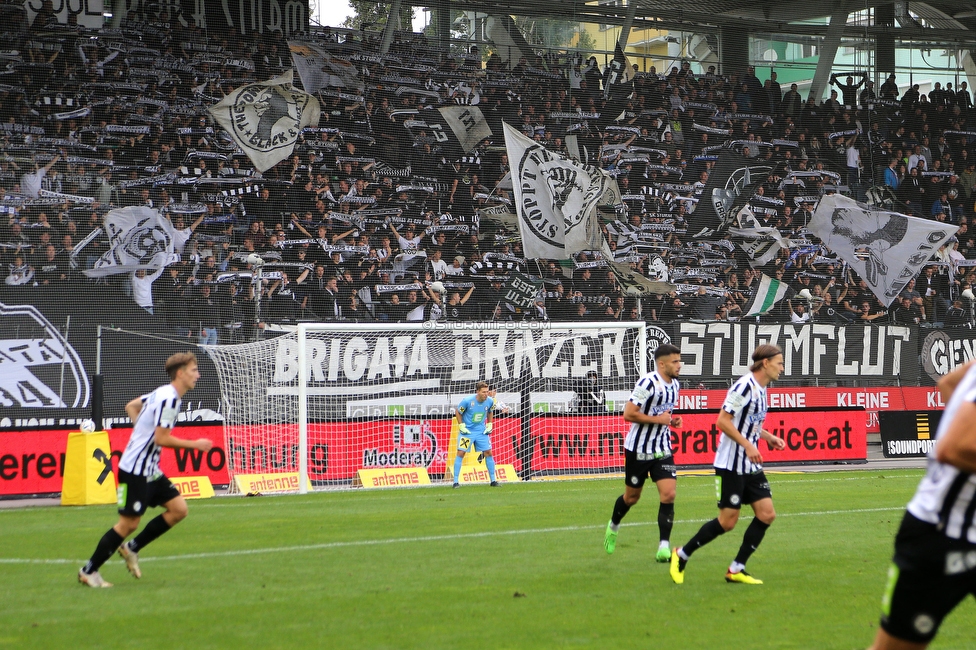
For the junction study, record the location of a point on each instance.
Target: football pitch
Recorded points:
(522, 566)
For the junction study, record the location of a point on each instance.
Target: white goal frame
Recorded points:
(239, 392)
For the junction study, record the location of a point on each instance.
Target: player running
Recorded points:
(738, 467)
(647, 447)
(141, 483)
(934, 567)
(474, 417)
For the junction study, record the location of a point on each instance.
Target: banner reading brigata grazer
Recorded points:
(582, 443)
(32, 462)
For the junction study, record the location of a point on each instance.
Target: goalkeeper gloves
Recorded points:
(462, 428)
(489, 426)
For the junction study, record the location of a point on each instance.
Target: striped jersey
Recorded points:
(653, 396)
(746, 402)
(159, 409)
(947, 496)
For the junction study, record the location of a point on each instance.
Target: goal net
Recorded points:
(317, 405)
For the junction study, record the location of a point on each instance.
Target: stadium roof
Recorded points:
(937, 21)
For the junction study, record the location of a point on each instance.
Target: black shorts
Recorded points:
(733, 490)
(636, 471)
(137, 494)
(929, 575)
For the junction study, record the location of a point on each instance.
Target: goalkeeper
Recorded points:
(474, 415)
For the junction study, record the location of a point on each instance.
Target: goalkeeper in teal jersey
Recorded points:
(474, 415)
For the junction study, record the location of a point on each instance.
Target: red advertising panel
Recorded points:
(32, 462)
(911, 398)
(593, 443)
(337, 450)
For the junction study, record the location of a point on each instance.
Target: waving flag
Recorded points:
(768, 293)
(139, 238)
(266, 118)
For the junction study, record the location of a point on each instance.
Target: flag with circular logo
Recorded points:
(266, 118)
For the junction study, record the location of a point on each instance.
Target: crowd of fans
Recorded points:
(372, 219)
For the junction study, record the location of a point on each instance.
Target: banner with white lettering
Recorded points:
(520, 290)
(887, 249)
(721, 351)
(266, 118)
(908, 434)
(943, 350)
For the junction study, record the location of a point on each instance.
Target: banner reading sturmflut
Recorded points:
(556, 199)
(139, 238)
(887, 249)
(266, 118)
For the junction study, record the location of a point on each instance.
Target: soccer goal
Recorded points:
(321, 403)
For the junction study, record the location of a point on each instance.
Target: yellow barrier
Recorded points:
(88, 477)
(400, 477)
(193, 487)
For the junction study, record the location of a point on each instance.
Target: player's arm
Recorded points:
(726, 426)
(133, 409)
(458, 413)
(632, 413)
(775, 442)
(164, 438)
(489, 424)
(957, 447)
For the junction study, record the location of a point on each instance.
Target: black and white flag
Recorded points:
(139, 238)
(458, 129)
(266, 118)
(520, 290)
(887, 249)
(556, 199)
(318, 68)
(761, 244)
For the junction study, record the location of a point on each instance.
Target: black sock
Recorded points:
(108, 544)
(153, 529)
(751, 540)
(665, 520)
(619, 510)
(709, 531)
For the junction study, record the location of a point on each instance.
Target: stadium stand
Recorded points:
(371, 207)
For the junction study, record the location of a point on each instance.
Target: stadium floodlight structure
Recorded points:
(327, 400)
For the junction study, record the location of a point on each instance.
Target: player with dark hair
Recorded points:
(738, 467)
(933, 567)
(142, 484)
(474, 417)
(647, 447)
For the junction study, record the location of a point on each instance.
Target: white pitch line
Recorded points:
(411, 540)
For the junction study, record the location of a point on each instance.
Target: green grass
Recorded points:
(518, 567)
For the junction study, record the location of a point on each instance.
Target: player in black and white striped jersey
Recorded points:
(142, 484)
(647, 447)
(934, 566)
(738, 467)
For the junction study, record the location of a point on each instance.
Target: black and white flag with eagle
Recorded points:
(266, 118)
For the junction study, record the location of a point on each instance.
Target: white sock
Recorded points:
(614, 527)
(735, 567)
(681, 554)
(664, 544)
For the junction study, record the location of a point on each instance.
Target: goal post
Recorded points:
(326, 400)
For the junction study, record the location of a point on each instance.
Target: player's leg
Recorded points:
(758, 494)
(482, 444)
(765, 514)
(665, 475)
(666, 488)
(161, 493)
(464, 445)
(132, 502)
(884, 641)
(635, 474)
(728, 488)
